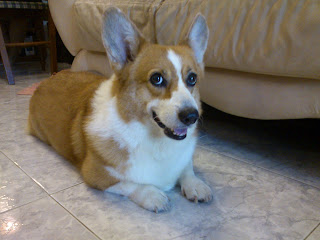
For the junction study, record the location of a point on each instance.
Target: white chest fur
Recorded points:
(152, 160)
(159, 161)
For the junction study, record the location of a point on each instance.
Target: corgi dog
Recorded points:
(135, 133)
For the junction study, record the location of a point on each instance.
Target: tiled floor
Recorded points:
(265, 177)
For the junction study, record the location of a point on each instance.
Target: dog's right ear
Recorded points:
(198, 37)
(120, 38)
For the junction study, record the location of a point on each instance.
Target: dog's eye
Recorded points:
(157, 80)
(192, 79)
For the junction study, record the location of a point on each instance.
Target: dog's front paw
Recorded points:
(196, 190)
(151, 198)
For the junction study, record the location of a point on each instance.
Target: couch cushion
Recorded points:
(259, 96)
(62, 15)
(88, 14)
(278, 37)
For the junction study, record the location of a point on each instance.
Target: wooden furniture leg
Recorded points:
(40, 34)
(5, 59)
(53, 46)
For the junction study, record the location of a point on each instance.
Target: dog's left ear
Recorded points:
(198, 37)
(120, 38)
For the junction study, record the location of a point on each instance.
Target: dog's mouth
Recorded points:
(175, 133)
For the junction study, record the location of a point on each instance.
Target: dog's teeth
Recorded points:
(177, 134)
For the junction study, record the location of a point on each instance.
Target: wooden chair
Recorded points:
(27, 9)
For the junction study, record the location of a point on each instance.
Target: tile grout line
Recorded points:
(311, 232)
(263, 168)
(94, 234)
(188, 234)
(33, 180)
(48, 195)
(66, 188)
(25, 204)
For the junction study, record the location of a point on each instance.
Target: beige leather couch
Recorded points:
(263, 56)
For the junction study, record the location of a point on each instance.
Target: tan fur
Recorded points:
(63, 128)
(58, 113)
(94, 173)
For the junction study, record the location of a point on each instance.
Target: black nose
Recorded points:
(188, 116)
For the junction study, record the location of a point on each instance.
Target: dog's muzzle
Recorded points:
(187, 116)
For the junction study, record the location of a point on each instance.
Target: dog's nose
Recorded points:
(188, 116)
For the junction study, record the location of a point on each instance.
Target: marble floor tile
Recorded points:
(13, 123)
(288, 148)
(249, 203)
(13, 135)
(16, 188)
(39, 161)
(257, 204)
(22, 81)
(315, 235)
(302, 166)
(298, 164)
(260, 155)
(44, 165)
(53, 176)
(42, 219)
(114, 217)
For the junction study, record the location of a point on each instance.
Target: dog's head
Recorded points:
(156, 84)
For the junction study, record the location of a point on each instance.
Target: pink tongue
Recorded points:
(180, 131)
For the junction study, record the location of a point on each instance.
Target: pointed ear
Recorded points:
(120, 38)
(198, 37)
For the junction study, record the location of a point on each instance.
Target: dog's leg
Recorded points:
(94, 173)
(192, 187)
(146, 196)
